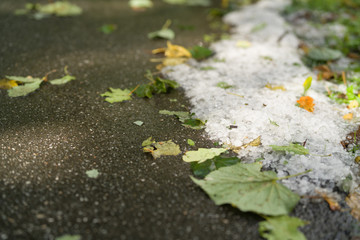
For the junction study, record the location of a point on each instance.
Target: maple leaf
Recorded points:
(117, 95)
(306, 103)
(246, 187)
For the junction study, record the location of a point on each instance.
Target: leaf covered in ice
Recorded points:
(292, 147)
(117, 95)
(324, 54)
(202, 154)
(282, 227)
(247, 188)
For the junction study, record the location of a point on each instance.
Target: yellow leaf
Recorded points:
(275, 87)
(353, 104)
(331, 200)
(306, 103)
(254, 143)
(7, 84)
(158, 50)
(176, 51)
(307, 84)
(348, 116)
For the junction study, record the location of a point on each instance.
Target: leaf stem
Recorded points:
(295, 175)
(132, 91)
(167, 24)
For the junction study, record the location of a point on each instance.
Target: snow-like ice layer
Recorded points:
(254, 106)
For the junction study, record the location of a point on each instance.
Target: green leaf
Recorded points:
(324, 54)
(117, 95)
(282, 227)
(148, 142)
(62, 80)
(204, 168)
(69, 237)
(190, 142)
(108, 28)
(247, 188)
(162, 33)
(194, 123)
(25, 89)
(158, 149)
(144, 90)
(200, 53)
(23, 79)
(170, 83)
(92, 173)
(61, 9)
(307, 84)
(202, 154)
(294, 148)
(224, 85)
(140, 3)
(179, 114)
(139, 123)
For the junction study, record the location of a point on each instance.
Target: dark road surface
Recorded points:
(49, 139)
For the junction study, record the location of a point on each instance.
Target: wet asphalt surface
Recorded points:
(49, 139)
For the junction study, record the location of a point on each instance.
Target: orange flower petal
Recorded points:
(306, 103)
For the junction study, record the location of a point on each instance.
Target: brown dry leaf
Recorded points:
(306, 103)
(348, 116)
(7, 84)
(354, 56)
(353, 201)
(331, 200)
(324, 72)
(275, 87)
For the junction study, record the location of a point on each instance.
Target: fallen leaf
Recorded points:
(92, 173)
(185, 118)
(353, 201)
(108, 28)
(293, 148)
(254, 143)
(138, 4)
(158, 149)
(139, 123)
(190, 142)
(202, 154)
(204, 168)
(176, 51)
(247, 188)
(330, 199)
(200, 53)
(275, 87)
(62, 80)
(164, 32)
(282, 227)
(353, 104)
(258, 27)
(307, 85)
(306, 103)
(224, 85)
(25, 89)
(148, 142)
(117, 95)
(348, 116)
(7, 84)
(69, 237)
(60, 9)
(324, 54)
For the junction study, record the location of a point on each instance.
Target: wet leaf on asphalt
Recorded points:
(244, 186)
(165, 32)
(282, 227)
(117, 95)
(158, 149)
(69, 237)
(202, 169)
(94, 173)
(202, 154)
